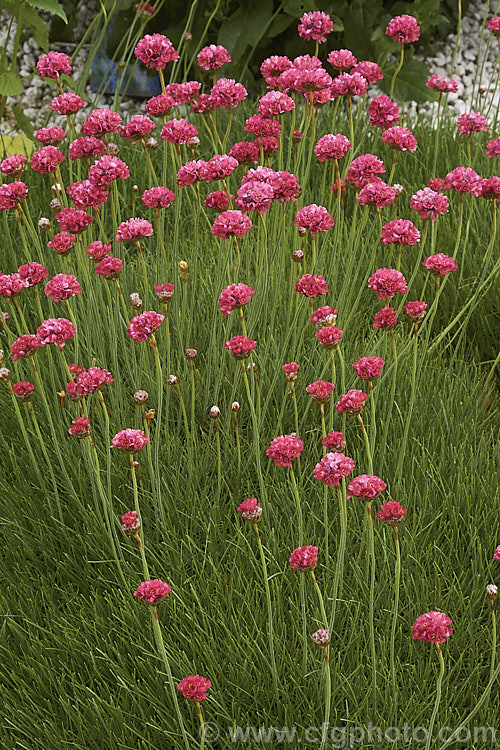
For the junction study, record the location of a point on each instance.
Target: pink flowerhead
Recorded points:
(164, 292)
(442, 84)
(332, 147)
(13, 165)
(80, 427)
(109, 267)
(366, 486)
(155, 51)
(494, 26)
(273, 67)
(400, 232)
(434, 627)
(158, 197)
(369, 70)
(290, 369)
(320, 391)
(342, 59)
(33, 273)
(228, 93)
(62, 242)
(304, 558)
(46, 159)
(268, 145)
(51, 136)
(86, 147)
(100, 122)
(178, 131)
(153, 592)
(62, 286)
(332, 468)
(490, 188)
(493, 148)
(12, 284)
(403, 29)
(392, 513)
(194, 687)
(143, 326)
(383, 112)
(464, 180)
(472, 122)
(240, 346)
(233, 297)
(335, 441)
(255, 196)
(54, 65)
(217, 200)
(369, 368)
(137, 128)
(159, 105)
(311, 286)
(400, 139)
(250, 510)
(133, 230)
(245, 152)
(262, 126)
(24, 346)
(329, 336)
(315, 25)
(349, 84)
(364, 169)
(377, 194)
(108, 169)
(231, 224)
(67, 103)
(73, 220)
(23, 390)
(440, 264)
(275, 103)
(496, 554)
(190, 172)
(429, 203)
(217, 167)
(314, 218)
(386, 282)
(351, 402)
(129, 440)
(386, 319)
(130, 523)
(284, 449)
(85, 194)
(98, 250)
(55, 331)
(213, 57)
(11, 194)
(416, 311)
(324, 316)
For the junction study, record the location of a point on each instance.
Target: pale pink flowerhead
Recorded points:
(314, 218)
(329, 337)
(464, 180)
(153, 592)
(250, 510)
(290, 369)
(233, 297)
(194, 687)
(332, 147)
(67, 103)
(377, 194)
(494, 26)
(62, 286)
(46, 159)
(155, 51)
(366, 487)
(342, 59)
(351, 402)
(213, 57)
(383, 112)
(442, 84)
(13, 165)
(315, 25)
(55, 331)
(143, 326)
(349, 84)
(385, 319)
(130, 523)
(85, 147)
(496, 554)
(320, 391)
(493, 148)
(304, 558)
(332, 468)
(403, 29)
(440, 264)
(434, 627)
(400, 232)
(416, 311)
(240, 346)
(369, 70)
(54, 65)
(255, 196)
(190, 172)
(284, 449)
(324, 316)
(392, 513)
(399, 139)
(335, 442)
(275, 103)
(12, 284)
(386, 282)
(80, 427)
(364, 169)
(218, 167)
(33, 273)
(129, 440)
(311, 286)
(133, 230)
(231, 224)
(158, 197)
(472, 122)
(369, 368)
(273, 67)
(429, 203)
(51, 136)
(321, 638)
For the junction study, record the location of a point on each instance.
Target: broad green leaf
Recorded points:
(38, 27)
(22, 122)
(410, 82)
(297, 8)
(51, 5)
(338, 24)
(20, 144)
(280, 24)
(245, 27)
(10, 84)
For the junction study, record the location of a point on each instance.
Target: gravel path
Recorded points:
(472, 70)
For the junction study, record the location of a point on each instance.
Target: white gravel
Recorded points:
(475, 70)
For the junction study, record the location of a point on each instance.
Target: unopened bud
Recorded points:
(191, 353)
(252, 367)
(55, 205)
(321, 638)
(56, 189)
(183, 265)
(398, 189)
(4, 375)
(113, 149)
(44, 224)
(297, 136)
(491, 591)
(193, 142)
(135, 464)
(215, 412)
(188, 37)
(130, 523)
(302, 231)
(135, 188)
(152, 143)
(172, 380)
(235, 406)
(298, 256)
(135, 301)
(5, 316)
(121, 64)
(140, 397)
(483, 89)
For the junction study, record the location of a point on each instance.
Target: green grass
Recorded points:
(79, 664)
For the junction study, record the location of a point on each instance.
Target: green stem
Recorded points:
(493, 646)
(202, 724)
(395, 620)
(270, 634)
(47, 460)
(137, 509)
(339, 570)
(367, 444)
(400, 65)
(371, 603)
(402, 449)
(328, 678)
(438, 697)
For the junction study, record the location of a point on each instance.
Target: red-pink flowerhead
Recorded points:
(332, 468)
(194, 687)
(434, 627)
(366, 487)
(284, 449)
(304, 558)
(130, 440)
(369, 368)
(250, 510)
(152, 592)
(240, 346)
(320, 391)
(392, 513)
(403, 29)
(351, 402)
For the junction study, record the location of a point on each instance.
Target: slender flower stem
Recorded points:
(371, 602)
(302, 587)
(323, 424)
(397, 579)
(493, 645)
(256, 438)
(47, 460)
(402, 449)
(373, 426)
(163, 654)
(193, 398)
(184, 413)
(367, 444)
(400, 65)
(328, 678)
(137, 509)
(238, 446)
(242, 319)
(159, 414)
(339, 569)
(438, 697)
(202, 724)
(270, 633)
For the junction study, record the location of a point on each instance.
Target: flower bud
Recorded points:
(491, 591)
(321, 638)
(298, 256)
(214, 412)
(302, 231)
(55, 205)
(135, 188)
(44, 224)
(56, 189)
(191, 353)
(135, 301)
(193, 142)
(5, 316)
(297, 136)
(252, 367)
(172, 380)
(152, 143)
(2, 356)
(188, 37)
(4, 375)
(140, 397)
(398, 189)
(183, 265)
(113, 149)
(130, 523)
(235, 406)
